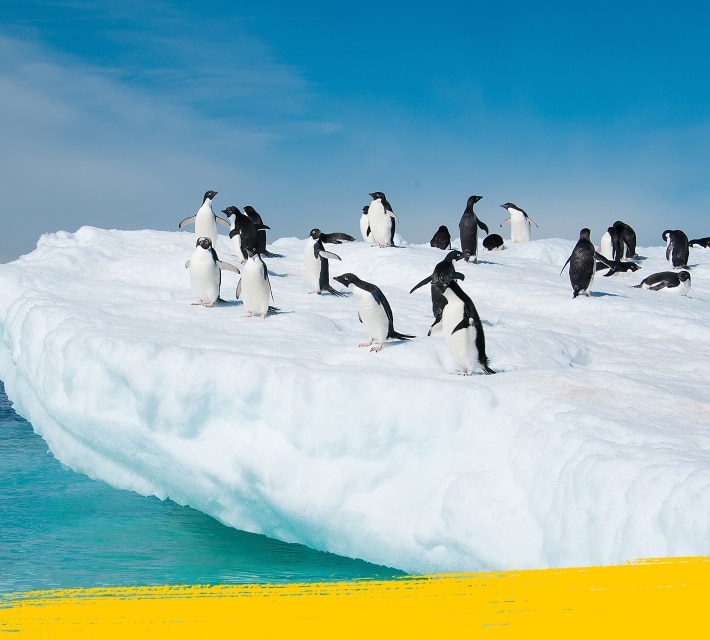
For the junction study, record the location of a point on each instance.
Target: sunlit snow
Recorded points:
(591, 444)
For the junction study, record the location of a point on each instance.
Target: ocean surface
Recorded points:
(60, 529)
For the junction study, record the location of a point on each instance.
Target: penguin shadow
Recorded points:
(276, 275)
(229, 303)
(602, 294)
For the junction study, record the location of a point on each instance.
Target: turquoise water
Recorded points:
(60, 529)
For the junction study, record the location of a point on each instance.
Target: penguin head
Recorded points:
(473, 200)
(683, 276)
(347, 279)
(378, 195)
(665, 234)
(315, 233)
(203, 242)
(584, 234)
(209, 195)
(251, 250)
(231, 211)
(453, 255)
(365, 209)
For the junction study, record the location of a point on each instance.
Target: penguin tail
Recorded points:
(330, 289)
(400, 336)
(486, 369)
(269, 254)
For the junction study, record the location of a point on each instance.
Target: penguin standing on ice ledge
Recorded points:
(315, 259)
(205, 220)
(519, 223)
(582, 264)
(468, 230)
(254, 287)
(374, 311)
(206, 272)
(381, 220)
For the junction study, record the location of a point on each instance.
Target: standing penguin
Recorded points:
(254, 287)
(670, 281)
(205, 220)
(612, 244)
(628, 238)
(315, 258)
(468, 229)
(462, 325)
(206, 272)
(441, 239)
(382, 220)
(365, 225)
(441, 270)
(242, 232)
(519, 223)
(677, 251)
(373, 311)
(261, 228)
(582, 264)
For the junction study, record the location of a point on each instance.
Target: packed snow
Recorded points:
(589, 446)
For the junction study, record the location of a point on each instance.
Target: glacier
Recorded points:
(590, 446)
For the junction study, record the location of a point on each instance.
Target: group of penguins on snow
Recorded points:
(453, 310)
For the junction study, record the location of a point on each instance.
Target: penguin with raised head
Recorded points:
(242, 232)
(254, 287)
(382, 220)
(519, 221)
(315, 258)
(628, 238)
(374, 311)
(493, 242)
(582, 264)
(461, 325)
(700, 242)
(677, 282)
(441, 239)
(205, 220)
(468, 230)
(441, 270)
(365, 225)
(206, 272)
(261, 229)
(677, 251)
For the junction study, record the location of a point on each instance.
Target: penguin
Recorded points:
(441, 239)
(582, 264)
(315, 257)
(519, 223)
(373, 311)
(468, 230)
(205, 220)
(628, 239)
(382, 220)
(612, 244)
(677, 251)
(206, 272)
(438, 301)
(261, 228)
(677, 282)
(493, 242)
(700, 242)
(616, 266)
(254, 287)
(461, 325)
(242, 232)
(365, 225)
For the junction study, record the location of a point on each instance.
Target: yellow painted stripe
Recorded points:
(663, 596)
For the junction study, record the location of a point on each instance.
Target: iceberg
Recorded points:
(590, 446)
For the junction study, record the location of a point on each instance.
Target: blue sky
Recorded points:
(122, 114)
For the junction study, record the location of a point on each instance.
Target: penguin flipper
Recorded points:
(658, 286)
(535, 223)
(336, 237)
(396, 335)
(335, 292)
(505, 222)
(189, 220)
(239, 288)
(226, 266)
(482, 225)
(464, 324)
(421, 284)
(223, 222)
(328, 255)
(187, 265)
(458, 276)
(565, 264)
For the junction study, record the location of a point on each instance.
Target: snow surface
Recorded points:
(590, 446)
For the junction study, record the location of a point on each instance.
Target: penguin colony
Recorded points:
(454, 312)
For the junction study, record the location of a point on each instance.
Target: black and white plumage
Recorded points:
(441, 239)
(468, 230)
(628, 238)
(444, 270)
(461, 325)
(205, 220)
(365, 225)
(616, 266)
(612, 244)
(677, 282)
(315, 259)
(242, 232)
(519, 221)
(206, 272)
(582, 264)
(677, 248)
(373, 311)
(254, 287)
(700, 242)
(382, 220)
(493, 242)
(261, 229)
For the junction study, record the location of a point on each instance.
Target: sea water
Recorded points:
(60, 529)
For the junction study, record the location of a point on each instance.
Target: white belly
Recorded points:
(373, 315)
(255, 290)
(364, 224)
(605, 246)
(311, 263)
(462, 343)
(206, 225)
(519, 227)
(204, 276)
(380, 224)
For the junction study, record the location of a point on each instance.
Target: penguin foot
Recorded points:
(376, 348)
(365, 344)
